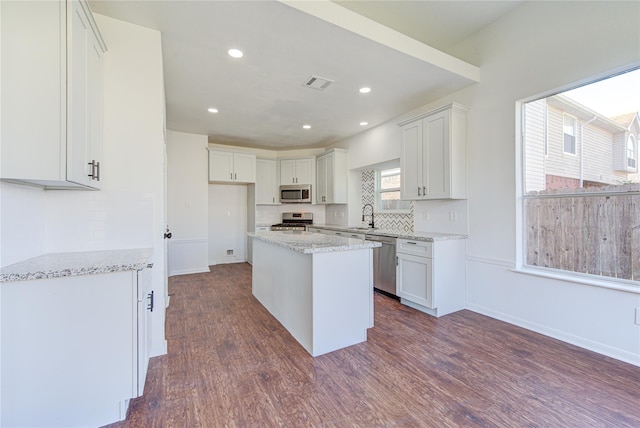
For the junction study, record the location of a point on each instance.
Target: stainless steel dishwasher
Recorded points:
(384, 264)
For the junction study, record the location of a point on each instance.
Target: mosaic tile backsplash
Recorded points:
(402, 222)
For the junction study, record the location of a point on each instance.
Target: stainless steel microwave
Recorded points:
(298, 193)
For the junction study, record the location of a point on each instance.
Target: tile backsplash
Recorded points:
(397, 221)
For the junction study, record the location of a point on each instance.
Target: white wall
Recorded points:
(187, 203)
(538, 47)
(22, 229)
(227, 223)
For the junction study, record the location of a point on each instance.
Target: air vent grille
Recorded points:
(318, 83)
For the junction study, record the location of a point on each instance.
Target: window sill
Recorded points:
(612, 283)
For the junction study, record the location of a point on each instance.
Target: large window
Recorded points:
(388, 186)
(581, 213)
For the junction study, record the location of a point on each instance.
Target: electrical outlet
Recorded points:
(637, 316)
(426, 215)
(453, 216)
(229, 252)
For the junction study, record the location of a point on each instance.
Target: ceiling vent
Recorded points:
(317, 82)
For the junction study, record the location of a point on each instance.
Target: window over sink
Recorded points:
(388, 192)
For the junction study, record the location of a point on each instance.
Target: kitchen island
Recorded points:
(319, 287)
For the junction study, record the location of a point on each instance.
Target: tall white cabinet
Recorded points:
(51, 94)
(433, 158)
(267, 182)
(331, 177)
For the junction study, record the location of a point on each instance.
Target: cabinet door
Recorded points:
(304, 171)
(411, 161)
(145, 306)
(287, 171)
(437, 171)
(321, 180)
(95, 102)
(220, 165)
(415, 279)
(244, 167)
(266, 182)
(78, 145)
(329, 179)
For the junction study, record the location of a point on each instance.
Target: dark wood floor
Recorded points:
(230, 364)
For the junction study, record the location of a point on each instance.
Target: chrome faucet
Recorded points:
(371, 225)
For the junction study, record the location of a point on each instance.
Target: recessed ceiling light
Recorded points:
(364, 123)
(365, 90)
(306, 126)
(212, 110)
(235, 53)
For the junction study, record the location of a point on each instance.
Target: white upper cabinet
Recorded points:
(267, 183)
(331, 177)
(297, 171)
(51, 94)
(433, 158)
(231, 167)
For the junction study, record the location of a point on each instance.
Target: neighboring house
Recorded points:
(570, 146)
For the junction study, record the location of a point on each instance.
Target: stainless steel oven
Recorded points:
(294, 221)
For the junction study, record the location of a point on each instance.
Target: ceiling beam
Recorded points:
(363, 26)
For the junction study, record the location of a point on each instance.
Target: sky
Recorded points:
(611, 97)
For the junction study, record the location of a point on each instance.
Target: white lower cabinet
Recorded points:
(431, 275)
(74, 349)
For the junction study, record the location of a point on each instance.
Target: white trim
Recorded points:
(609, 351)
(189, 271)
(509, 264)
(560, 275)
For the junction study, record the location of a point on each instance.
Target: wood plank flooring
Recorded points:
(230, 364)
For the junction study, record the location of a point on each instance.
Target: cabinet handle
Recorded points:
(418, 190)
(93, 169)
(150, 304)
(273, 199)
(231, 176)
(412, 243)
(235, 176)
(97, 177)
(397, 261)
(424, 191)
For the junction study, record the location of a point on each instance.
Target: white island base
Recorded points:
(324, 299)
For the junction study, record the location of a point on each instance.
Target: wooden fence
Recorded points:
(590, 232)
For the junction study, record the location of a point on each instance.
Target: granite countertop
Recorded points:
(312, 243)
(394, 233)
(56, 265)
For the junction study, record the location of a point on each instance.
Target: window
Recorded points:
(388, 195)
(569, 130)
(631, 152)
(579, 212)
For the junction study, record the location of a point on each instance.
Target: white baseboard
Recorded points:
(189, 271)
(609, 351)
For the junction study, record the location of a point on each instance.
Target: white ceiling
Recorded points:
(261, 98)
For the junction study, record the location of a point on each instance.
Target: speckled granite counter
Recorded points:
(402, 234)
(57, 265)
(311, 243)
